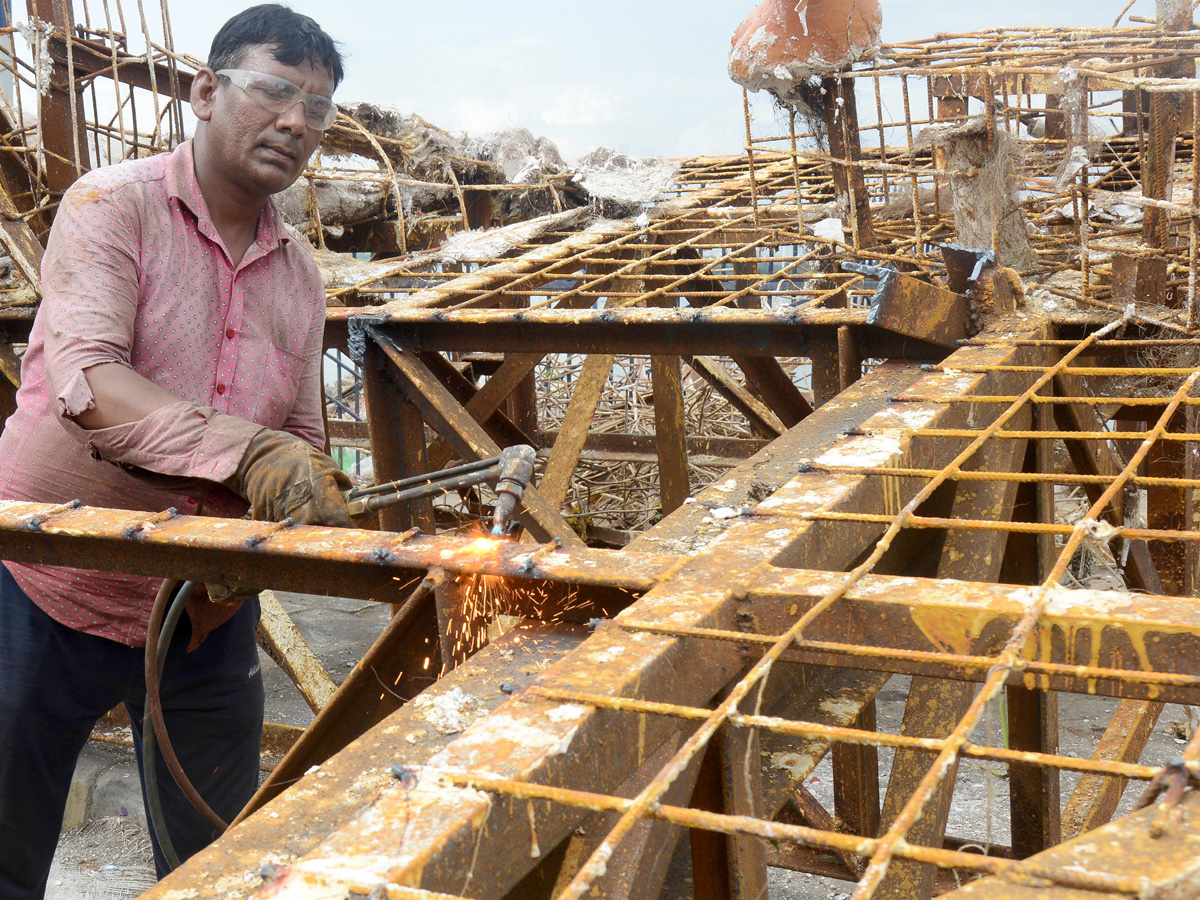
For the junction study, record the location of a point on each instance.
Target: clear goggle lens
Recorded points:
(279, 95)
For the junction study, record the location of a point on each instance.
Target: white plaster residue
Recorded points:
(842, 710)
(1071, 602)
(777, 534)
(882, 586)
(798, 765)
(451, 712)
(808, 492)
(802, 12)
(831, 229)
(868, 450)
(951, 382)
(761, 39)
(607, 655)
(907, 416)
(568, 712)
(322, 879)
(726, 486)
(498, 737)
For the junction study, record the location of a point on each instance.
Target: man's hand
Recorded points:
(282, 475)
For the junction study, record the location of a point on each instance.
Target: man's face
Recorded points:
(260, 151)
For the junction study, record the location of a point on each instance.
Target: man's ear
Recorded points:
(204, 93)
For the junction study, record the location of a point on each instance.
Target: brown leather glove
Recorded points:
(282, 475)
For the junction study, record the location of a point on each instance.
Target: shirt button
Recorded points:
(220, 388)
(229, 333)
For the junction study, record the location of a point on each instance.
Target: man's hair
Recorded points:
(294, 39)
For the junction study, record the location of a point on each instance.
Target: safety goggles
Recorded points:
(279, 95)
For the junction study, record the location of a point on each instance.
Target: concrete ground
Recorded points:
(104, 853)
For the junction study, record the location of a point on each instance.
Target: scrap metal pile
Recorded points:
(899, 399)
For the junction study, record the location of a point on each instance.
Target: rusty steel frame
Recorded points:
(673, 620)
(891, 517)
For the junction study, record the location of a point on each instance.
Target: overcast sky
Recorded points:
(643, 76)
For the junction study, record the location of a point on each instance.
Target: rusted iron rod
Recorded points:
(778, 831)
(851, 735)
(1021, 477)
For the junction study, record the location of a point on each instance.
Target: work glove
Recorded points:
(282, 476)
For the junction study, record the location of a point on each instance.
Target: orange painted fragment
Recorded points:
(783, 43)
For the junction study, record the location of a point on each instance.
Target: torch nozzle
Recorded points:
(516, 471)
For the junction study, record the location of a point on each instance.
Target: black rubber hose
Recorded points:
(159, 632)
(154, 811)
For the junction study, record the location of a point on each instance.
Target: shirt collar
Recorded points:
(181, 183)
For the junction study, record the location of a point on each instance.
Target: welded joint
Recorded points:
(257, 540)
(528, 565)
(356, 335)
(138, 531)
(37, 520)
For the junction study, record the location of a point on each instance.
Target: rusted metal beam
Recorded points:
(768, 378)
(710, 331)
(569, 442)
(468, 437)
(372, 565)
(1166, 864)
(670, 426)
(63, 127)
(18, 239)
(404, 660)
(856, 780)
(926, 312)
(502, 427)
(841, 125)
(1081, 629)
(96, 58)
(484, 403)
(398, 447)
(283, 642)
(1095, 797)
(1035, 800)
(762, 420)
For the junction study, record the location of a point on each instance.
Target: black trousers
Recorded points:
(55, 683)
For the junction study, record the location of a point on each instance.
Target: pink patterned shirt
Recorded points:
(135, 273)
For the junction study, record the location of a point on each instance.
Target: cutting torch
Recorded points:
(510, 472)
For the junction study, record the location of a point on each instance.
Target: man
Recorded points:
(175, 362)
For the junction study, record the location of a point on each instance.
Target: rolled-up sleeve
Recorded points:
(90, 285)
(90, 305)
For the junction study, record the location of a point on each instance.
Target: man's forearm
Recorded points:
(121, 396)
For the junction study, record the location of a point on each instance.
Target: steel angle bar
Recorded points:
(910, 307)
(339, 561)
(1163, 865)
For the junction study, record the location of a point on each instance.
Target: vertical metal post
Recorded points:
(63, 136)
(398, 447)
(841, 123)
